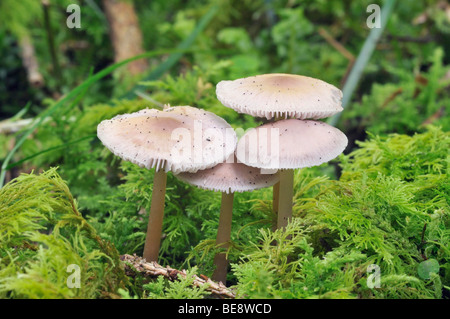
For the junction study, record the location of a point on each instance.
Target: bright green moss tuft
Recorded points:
(43, 233)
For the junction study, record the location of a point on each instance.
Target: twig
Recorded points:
(30, 62)
(153, 269)
(437, 115)
(392, 97)
(424, 39)
(339, 47)
(8, 127)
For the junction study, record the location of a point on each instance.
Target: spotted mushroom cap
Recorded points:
(281, 95)
(230, 177)
(290, 144)
(177, 139)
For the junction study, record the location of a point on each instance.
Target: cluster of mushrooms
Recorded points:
(202, 149)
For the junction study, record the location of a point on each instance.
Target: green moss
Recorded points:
(389, 208)
(43, 233)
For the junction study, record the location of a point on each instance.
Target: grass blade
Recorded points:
(50, 149)
(363, 58)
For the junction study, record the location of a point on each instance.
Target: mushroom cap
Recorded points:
(281, 95)
(178, 139)
(290, 144)
(230, 177)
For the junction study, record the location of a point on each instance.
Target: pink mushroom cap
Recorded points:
(290, 144)
(178, 139)
(281, 95)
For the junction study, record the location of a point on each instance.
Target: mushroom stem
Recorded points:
(286, 195)
(275, 202)
(155, 220)
(223, 237)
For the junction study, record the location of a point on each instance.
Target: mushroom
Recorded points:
(228, 177)
(177, 139)
(279, 95)
(298, 144)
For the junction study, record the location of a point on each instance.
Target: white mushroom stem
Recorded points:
(286, 194)
(223, 237)
(155, 220)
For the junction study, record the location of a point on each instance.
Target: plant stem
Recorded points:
(223, 237)
(275, 202)
(155, 220)
(51, 42)
(286, 194)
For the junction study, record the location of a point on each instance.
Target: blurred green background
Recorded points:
(241, 38)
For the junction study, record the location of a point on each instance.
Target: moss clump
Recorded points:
(390, 208)
(42, 234)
